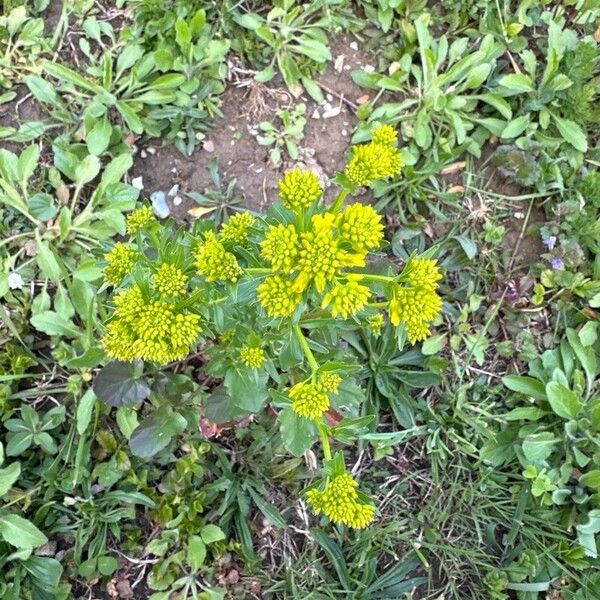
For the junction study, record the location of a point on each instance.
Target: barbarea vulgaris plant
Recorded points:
(268, 299)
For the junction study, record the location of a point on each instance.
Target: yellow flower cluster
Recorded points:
(329, 382)
(416, 306)
(252, 356)
(170, 281)
(361, 227)
(308, 400)
(346, 298)
(237, 228)
(385, 135)
(339, 502)
(151, 330)
(277, 297)
(214, 262)
(280, 247)
(119, 263)
(317, 256)
(376, 323)
(379, 159)
(138, 219)
(299, 189)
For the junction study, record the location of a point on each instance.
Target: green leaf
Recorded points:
(155, 432)
(527, 386)
(85, 408)
(196, 552)
(119, 384)
(27, 163)
(571, 132)
(41, 206)
(517, 82)
(20, 532)
(8, 476)
(98, 138)
(590, 479)
(211, 533)
(537, 447)
(51, 323)
(515, 127)
(268, 510)
(87, 169)
(297, 433)
(563, 401)
(47, 260)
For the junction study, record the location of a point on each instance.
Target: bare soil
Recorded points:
(232, 141)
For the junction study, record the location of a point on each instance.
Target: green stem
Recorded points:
(337, 203)
(371, 277)
(257, 271)
(324, 436)
(310, 357)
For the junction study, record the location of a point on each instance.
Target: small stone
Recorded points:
(329, 97)
(369, 69)
(159, 204)
(15, 281)
(344, 132)
(209, 146)
(138, 183)
(173, 170)
(173, 191)
(334, 112)
(177, 200)
(338, 64)
(151, 150)
(316, 114)
(353, 45)
(143, 153)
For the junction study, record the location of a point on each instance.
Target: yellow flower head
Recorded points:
(361, 226)
(280, 247)
(385, 135)
(120, 261)
(370, 162)
(339, 502)
(308, 401)
(170, 281)
(416, 308)
(376, 323)
(154, 331)
(423, 273)
(214, 262)
(237, 228)
(329, 382)
(320, 257)
(138, 219)
(252, 356)
(277, 297)
(299, 189)
(346, 298)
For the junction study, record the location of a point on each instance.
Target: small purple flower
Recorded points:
(550, 242)
(557, 263)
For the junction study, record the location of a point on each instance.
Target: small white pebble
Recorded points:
(173, 170)
(334, 112)
(15, 281)
(354, 45)
(519, 215)
(369, 68)
(138, 183)
(344, 132)
(316, 114)
(143, 153)
(177, 200)
(151, 150)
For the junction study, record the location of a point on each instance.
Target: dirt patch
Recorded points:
(232, 141)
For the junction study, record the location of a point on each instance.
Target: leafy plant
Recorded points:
(285, 138)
